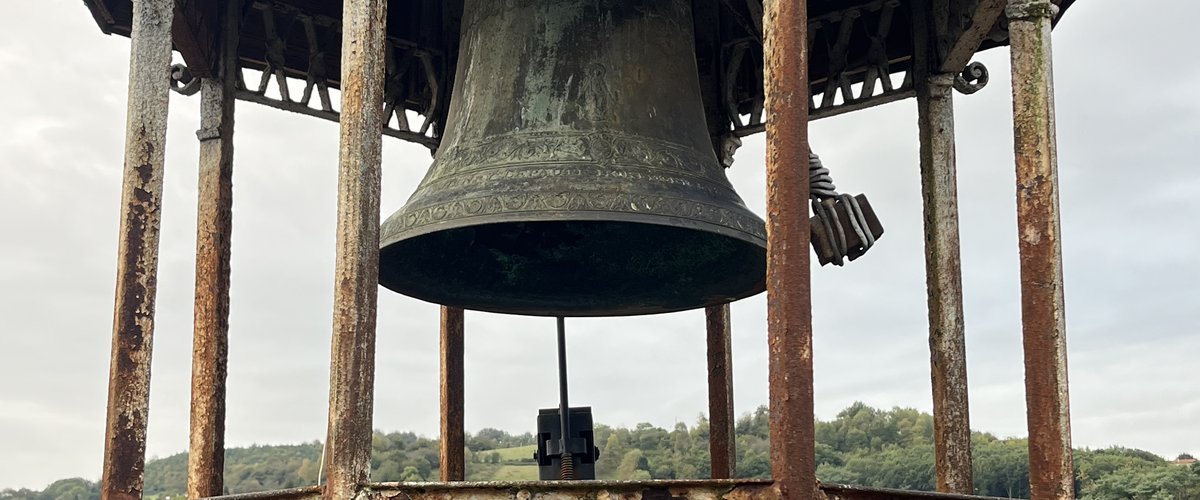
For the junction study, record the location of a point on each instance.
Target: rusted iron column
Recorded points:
(789, 305)
(356, 275)
(137, 252)
(1042, 316)
(214, 227)
(943, 268)
(943, 281)
(453, 442)
(721, 437)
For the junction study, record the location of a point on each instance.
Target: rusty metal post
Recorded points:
(214, 227)
(1038, 230)
(137, 253)
(943, 279)
(453, 441)
(789, 304)
(356, 275)
(943, 267)
(721, 437)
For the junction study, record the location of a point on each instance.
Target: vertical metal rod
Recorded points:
(1038, 229)
(564, 418)
(137, 252)
(453, 442)
(789, 303)
(721, 438)
(356, 274)
(214, 226)
(943, 268)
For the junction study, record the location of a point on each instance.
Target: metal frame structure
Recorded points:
(379, 86)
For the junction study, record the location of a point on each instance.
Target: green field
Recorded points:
(514, 464)
(517, 454)
(516, 473)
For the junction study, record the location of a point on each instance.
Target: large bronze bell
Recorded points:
(575, 176)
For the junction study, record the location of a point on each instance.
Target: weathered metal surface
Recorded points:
(789, 301)
(722, 440)
(836, 226)
(137, 252)
(580, 182)
(453, 434)
(961, 44)
(305, 109)
(845, 492)
(943, 280)
(1038, 229)
(943, 266)
(972, 79)
(741, 489)
(195, 32)
(214, 227)
(856, 43)
(352, 369)
(213, 236)
(857, 50)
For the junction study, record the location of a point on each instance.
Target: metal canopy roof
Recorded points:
(861, 54)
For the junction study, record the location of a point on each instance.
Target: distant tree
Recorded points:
(1158, 483)
(71, 489)
(862, 445)
(611, 454)
(633, 466)
(410, 474)
(1185, 456)
(1001, 467)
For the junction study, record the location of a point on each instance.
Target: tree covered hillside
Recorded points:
(863, 446)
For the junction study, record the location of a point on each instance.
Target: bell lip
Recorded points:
(600, 216)
(573, 215)
(576, 314)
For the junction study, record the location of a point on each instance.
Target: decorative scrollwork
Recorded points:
(183, 81)
(972, 79)
(321, 36)
(853, 78)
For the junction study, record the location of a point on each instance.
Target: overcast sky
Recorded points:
(1128, 129)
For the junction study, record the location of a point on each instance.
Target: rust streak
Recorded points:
(1042, 314)
(137, 254)
(789, 304)
(214, 227)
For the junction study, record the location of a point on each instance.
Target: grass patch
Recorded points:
(516, 473)
(516, 454)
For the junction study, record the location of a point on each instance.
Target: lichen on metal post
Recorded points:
(214, 226)
(356, 275)
(137, 253)
(721, 437)
(789, 303)
(453, 434)
(1038, 227)
(943, 266)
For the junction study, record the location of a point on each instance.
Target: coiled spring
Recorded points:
(567, 471)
